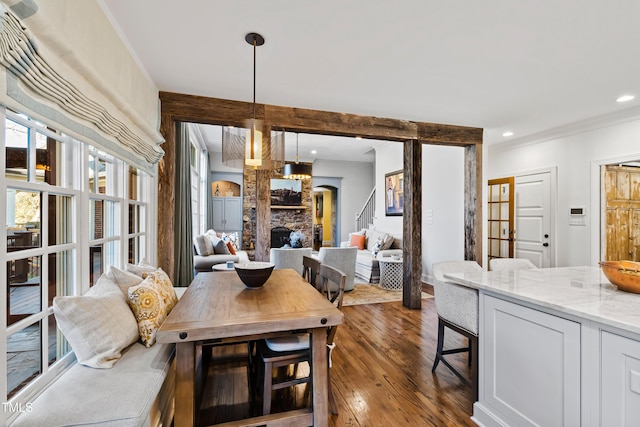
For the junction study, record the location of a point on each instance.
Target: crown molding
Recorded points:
(574, 128)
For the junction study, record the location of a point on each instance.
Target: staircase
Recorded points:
(367, 213)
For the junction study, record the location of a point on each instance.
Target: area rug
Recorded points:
(372, 294)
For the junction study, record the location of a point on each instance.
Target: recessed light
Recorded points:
(314, 152)
(507, 133)
(625, 98)
(358, 137)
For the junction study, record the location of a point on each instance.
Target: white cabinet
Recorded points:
(620, 380)
(529, 366)
(227, 213)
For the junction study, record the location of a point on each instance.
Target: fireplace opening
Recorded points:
(280, 237)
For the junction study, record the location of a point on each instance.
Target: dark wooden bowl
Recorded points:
(254, 274)
(624, 274)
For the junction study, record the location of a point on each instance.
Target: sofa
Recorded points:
(214, 248)
(374, 245)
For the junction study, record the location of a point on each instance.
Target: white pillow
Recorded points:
(141, 269)
(123, 279)
(97, 325)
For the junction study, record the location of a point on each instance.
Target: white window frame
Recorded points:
(76, 158)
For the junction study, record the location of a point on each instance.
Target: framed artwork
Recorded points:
(394, 193)
(286, 192)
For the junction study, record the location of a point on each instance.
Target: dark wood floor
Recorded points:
(381, 374)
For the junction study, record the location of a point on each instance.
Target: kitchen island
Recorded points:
(557, 347)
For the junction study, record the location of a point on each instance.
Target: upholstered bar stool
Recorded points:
(457, 308)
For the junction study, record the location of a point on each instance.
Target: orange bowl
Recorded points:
(624, 274)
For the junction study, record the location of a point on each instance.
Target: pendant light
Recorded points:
(296, 170)
(250, 147)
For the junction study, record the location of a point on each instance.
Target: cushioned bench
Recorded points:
(134, 387)
(136, 391)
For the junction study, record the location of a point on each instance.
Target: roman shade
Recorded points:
(43, 76)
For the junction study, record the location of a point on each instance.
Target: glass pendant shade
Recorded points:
(253, 146)
(268, 148)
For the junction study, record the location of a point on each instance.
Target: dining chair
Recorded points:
(457, 308)
(293, 349)
(509, 264)
(310, 268)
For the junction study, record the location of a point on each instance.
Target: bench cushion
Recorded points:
(121, 396)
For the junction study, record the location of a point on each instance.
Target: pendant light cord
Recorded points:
(254, 78)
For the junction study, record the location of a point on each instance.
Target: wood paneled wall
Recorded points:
(190, 108)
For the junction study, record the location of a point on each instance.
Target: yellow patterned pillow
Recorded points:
(165, 287)
(148, 308)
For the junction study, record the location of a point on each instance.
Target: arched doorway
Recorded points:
(325, 218)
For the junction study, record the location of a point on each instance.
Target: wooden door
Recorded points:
(622, 194)
(501, 209)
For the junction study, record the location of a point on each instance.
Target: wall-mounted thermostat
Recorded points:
(577, 216)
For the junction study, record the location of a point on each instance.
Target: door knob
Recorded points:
(545, 244)
(546, 236)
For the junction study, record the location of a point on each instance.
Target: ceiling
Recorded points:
(529, 67)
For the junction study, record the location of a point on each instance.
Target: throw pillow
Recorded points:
(234, 238)
(357, 240)
(97, 325)
(123, 279)
(165, 287)
(219, 246)
(149, 309)
(377, 247)
(230, 247)
(202, 244)
(141, 269)
(388, 241)
(373, 236)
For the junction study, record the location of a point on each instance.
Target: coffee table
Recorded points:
(222, 267)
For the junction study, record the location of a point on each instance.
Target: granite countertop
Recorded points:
(580, 291)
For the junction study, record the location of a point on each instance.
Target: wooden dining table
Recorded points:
(218, 308)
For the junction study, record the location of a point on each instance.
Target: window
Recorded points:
(199, 190)
(39, 247)
(71, 210)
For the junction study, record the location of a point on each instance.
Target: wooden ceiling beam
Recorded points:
(192, 108)
(432, 133)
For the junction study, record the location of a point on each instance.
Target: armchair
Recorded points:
(343, 259)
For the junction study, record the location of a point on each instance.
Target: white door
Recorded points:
(533, 218)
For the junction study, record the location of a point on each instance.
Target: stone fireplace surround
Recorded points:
(295, 219)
